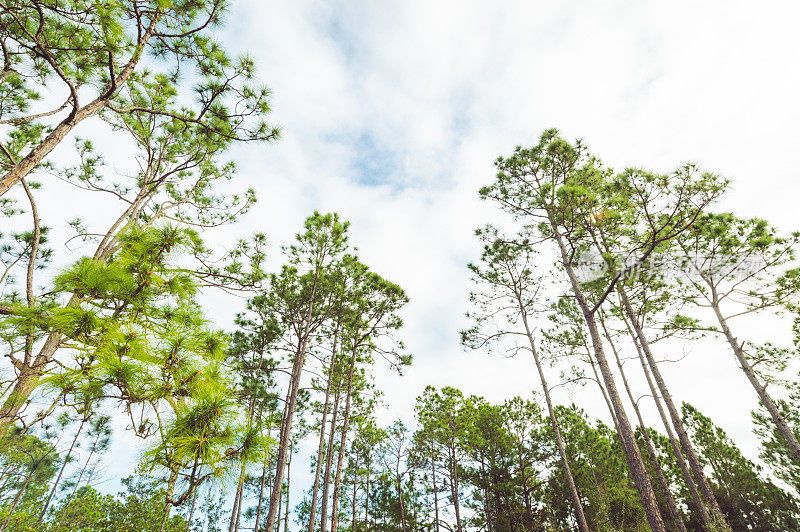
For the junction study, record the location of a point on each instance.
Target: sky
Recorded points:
(392, 114)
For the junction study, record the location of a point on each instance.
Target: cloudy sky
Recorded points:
(392, 113)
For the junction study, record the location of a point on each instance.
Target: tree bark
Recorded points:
(342, 445)
(635, 463)
(697, 469)
(288, 418)
(580, 518)
(21, 169)
(454, 485)
(61, 470)
(697, 500)
(758, 386)
(672, 506)
(329, 462)
(435, 492)
(321, 446)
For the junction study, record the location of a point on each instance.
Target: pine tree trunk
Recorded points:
(288, 491)
(342, 444)
(632, 455)
(167, 505)
(191, 512)
(80, 478)
(17, 498)
(329, 462)
(454, 485)
(672, 506)
(291, 405)
(36, 155)
(697, 500)
(435, 490)
(355, 488)
(487, 507)
(686, 444)
(580, 518)
(760, 388)
(261, 488)
(61, 470)
(26, 382)
(366, 501)
(286, 429)
(525, 493)
(321, 446)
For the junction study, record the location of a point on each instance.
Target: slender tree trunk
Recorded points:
(321, 445)
(237, 506)
(285, 434)
(288, 492)
(683, 437)
(580, 518)
(697, 500)
(61, 470)
(80, 478)
(329, 462)
(487, 507)
(635, 463)
(454, 485)
(760, 388)
(435, 491)
(400, 500)
(342, 444)
(167, 506)
(672, 506)
(191, 511)
(526, 496)
(261, 488)
(291, 405)
(237, 501)
(355, 488)
(366, 499)
(18, 497)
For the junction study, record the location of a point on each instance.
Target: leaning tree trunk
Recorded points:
(61, 470)
(672, 506)
(632, 455)
(580, 518)
(697, 500)
(686, 444)
(285, 434)
(760, 387)
(34, 157)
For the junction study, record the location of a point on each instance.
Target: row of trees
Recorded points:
(666, 269)
(469, 465)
